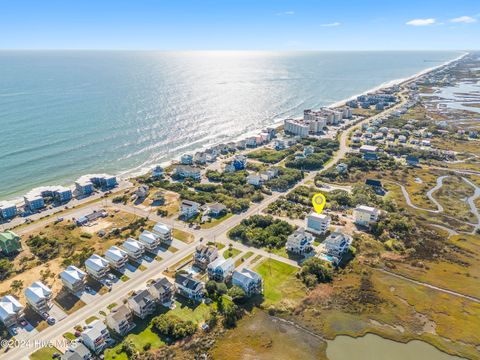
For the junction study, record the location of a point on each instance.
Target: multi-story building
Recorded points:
(318, 223)
(97, 267)
(364, 215)
(77, 351)
(39, 297)
(134, 249)
(186, 159)
(189, 287)
(162, 290)
(95, 336)
(120, 319)
(9, 243)
(141, 303)
(187, 171)
(149, 240)
(84, 187)
(300, 242)
(116, 257)
(34, 202)
(250, 281)
(11, 311)
(189, 209)
(296, 127)
(8, 210)
(104, 181)
(336, 244)
(163, 232)
(204, 255)
(220, 269)
(73, 279)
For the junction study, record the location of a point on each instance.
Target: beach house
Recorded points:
(300, 242)
(364, 215)
(11, 311)
(239, 162)
(336, 244)
(187, 171)
(34, 202)
(157, 172)
(97, 267)
(220, 269)
(116, 257)
(120, 320)
(189, 287)
(204, 255)
(163, 232)
(8, 210)
(162, 290)
(39, 296)
(250, 281)
(9, 243)
(73, 279)
(83, 187)
(77, 351)
(254, 179)
(134, 249)
(318, 223)
(149, 240)
(95, 336)
(186, 159)
(216, 210)
(104, 181)
(189, 209)
(142, 303)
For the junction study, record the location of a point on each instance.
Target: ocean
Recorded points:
(68, 113)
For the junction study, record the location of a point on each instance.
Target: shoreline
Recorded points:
(131, 173)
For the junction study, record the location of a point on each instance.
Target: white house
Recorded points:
(73, 279)
(318, 223)
(254, 179)
(95, 336)
(97, 267)
(337, 243)
(39, 297)
(11, 311)
(133, 248)
(220, 269)
(187, 171)
(365, 215)
(300, 242)
(141, 303)
(248, 280)
(189, 209)
(163, 231)
(116, 257)
(149, 240)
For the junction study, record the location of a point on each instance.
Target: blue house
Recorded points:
(412, 160)
(239, 162)
(34, 202)
(84, 187)
(8, 210)
(62, 194)
(104, 181)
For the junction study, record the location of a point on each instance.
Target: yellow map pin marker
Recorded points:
(319, 202)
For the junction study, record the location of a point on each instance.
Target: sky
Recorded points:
(240, 24)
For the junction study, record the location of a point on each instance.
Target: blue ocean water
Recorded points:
(68, 113)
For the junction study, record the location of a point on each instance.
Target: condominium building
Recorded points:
(364, 215)
(318, 223)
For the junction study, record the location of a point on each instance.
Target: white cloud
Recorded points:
(331, 24)
(287, 13)
(421, 22)
(463, 19)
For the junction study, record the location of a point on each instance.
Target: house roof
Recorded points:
(94, 330)
(9, 305)
(335, 239)
(319, 217)
(8, 236)
(161, 285)
(246, 275)
(221, 263)
(96, 262)
(132, 245)
(189, 203)
(366, 208)
(38, 291)
(217, 207)
(72, 274)
(119, 313)
(115, 253)
(142, 298)
(77, 351)
(161, 228)
(188, 282)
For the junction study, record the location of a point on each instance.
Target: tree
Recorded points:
(211, 287)
(236, 293)
(314, 271)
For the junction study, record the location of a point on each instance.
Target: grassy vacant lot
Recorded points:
(279, 282)
(182, 236)
(452, 144)
(215, 222)
(269, 156)
(44, 353)
(231, 253)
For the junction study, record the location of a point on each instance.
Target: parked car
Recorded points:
(51, 321)
(23, 322)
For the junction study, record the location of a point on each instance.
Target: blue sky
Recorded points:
(240, 24)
